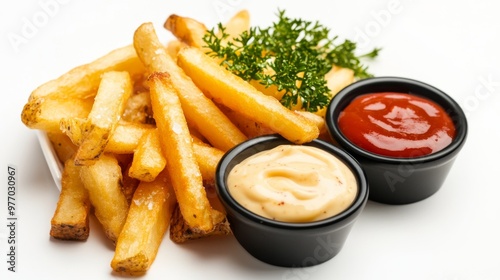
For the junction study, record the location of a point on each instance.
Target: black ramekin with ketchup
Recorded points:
(407, 141)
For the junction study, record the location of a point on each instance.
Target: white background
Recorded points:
(453, 45)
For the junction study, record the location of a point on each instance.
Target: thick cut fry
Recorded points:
(207, 158)
(200, 112)
(238, 95)
(187, 30)
(314, 118)
(126, 136)
(180, 231)
(338, 78)
(109, 104)
(147, 221)
(76, 129)
(71, 218)
(177, 147)
(64, 148)
(238, 24)
(102, 180)
(83, 81)
(148, 159)
(46, 113)
(190, 31)
(248, 126)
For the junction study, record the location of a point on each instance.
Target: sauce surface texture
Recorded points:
(293, 183)
(396, 124)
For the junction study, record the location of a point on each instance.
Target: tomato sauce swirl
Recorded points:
(396, 124)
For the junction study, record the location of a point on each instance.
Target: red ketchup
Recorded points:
(396, 124)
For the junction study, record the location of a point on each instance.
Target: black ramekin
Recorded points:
(283, 243)
(399, 180)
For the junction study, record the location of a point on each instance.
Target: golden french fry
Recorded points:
(148, 159)
(207, 158)
(180, 231)
(237, 24)
(93, 134)
(126, 136)
(76, 129)
(102, 180)
(71, 217)
(314, 118)
(177, 147)
(240, 96)
(191, 32)
(338, 78)
(200, 112)
(46, 113)
(83, 81)
(147, 221)
(248, 126)
(64, 148)
(187, 30)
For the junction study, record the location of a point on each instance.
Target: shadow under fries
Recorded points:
(226, 249)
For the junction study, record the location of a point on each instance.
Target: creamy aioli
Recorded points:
(293, 183)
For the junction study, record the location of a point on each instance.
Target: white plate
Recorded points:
(53, 162)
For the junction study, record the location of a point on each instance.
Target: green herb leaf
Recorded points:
(298, 52)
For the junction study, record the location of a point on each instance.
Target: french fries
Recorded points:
(187, 30)
(82, 82)
(102, 180)
(200, 112)
(237, 24)
(93, 134)
(141, 130)
(64, 148)
(126, 136)
(147, 221)
(178, 149)
(71, 218)
(148, 159)
(238, 95)
(46, 113)
(207, 157)
(190, 31)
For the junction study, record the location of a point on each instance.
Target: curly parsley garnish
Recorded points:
(293, 54)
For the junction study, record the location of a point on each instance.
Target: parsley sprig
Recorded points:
(292, 54)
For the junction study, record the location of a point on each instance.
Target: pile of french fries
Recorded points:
(140, 132)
